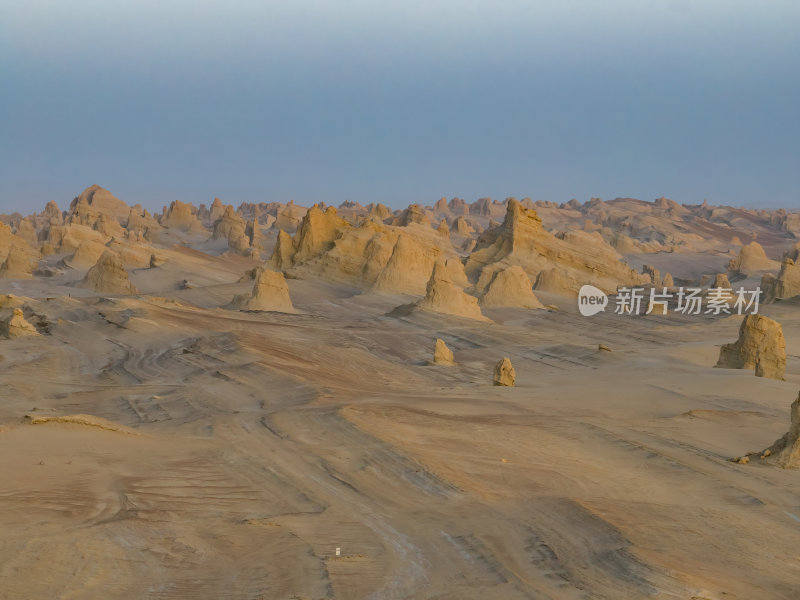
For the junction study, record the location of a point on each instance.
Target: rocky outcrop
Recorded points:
(270, 293)
(442, 355)
(522, 240)
(182, 217)
(229, 226)
(379, 211)
(462, 227)
(444, 295)
(318, 231)
(16, 325)
(109, 276)
(95, 201)
(557, 281)
(26, 230)
(51, 215)
(254, 237)
(751, 258)
(652, 273)
(721, 281)
(510, 287)
(141, 223)
(288, 217)
(283, 252)
(8, 240)
(504, 373)
(408, 269)
(785, 285)
(19, 263)
(216, 211)
(413, 214)
(785, 452)
(86, 255)
(108, 226)
(760, 345)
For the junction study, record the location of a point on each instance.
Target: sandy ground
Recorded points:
(235, 452)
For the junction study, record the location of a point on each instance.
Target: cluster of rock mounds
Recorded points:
(408, 256)
(504, 246)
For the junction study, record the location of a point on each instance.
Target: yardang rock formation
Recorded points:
(760, 346)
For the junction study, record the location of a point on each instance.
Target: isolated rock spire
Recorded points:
(504, 373)
(442, 355)
(760, 345)
(270, 293)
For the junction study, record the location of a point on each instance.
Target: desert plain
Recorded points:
(243, 402)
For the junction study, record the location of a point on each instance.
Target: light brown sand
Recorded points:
(266, 441)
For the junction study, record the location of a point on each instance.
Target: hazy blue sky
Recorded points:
(400, 102)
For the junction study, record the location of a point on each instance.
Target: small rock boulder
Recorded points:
(504, 373)
(442, 355)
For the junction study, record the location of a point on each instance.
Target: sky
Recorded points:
(399, 102)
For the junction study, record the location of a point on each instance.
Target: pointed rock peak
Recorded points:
(270, 293)
(442, 355)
